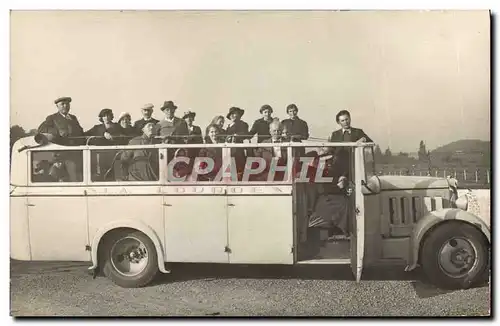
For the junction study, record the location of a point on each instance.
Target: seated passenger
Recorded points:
(126, 131)
(213, 136)
(278, 153)
(41, 172)
(58, 171)
(142, 164)
(332, 206)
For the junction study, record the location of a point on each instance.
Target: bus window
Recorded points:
(124, 165)
(194, 164)
(56, 166)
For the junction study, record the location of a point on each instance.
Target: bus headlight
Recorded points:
(462, 202)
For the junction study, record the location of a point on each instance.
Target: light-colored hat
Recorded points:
(147, 106)
(123, 115)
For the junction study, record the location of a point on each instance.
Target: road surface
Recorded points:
(66, 289)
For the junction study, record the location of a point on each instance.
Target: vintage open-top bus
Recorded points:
(183, 212)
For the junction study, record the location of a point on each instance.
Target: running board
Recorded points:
(338, 261)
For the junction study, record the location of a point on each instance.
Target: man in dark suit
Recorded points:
(63, 126)
(147, 112)
(347, 133)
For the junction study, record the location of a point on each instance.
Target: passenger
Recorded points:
(297, 128)
(346, 134)
(41, 172)
(213, 136)
(127, 131)
(142, 164)
(275, 152)
(332, 206)
(63, 126)
(261, 126)
(237, 132)
(106, 130)
(147, 112)
(171, 129)
(58, 171)
(194, 132)
(219, 121)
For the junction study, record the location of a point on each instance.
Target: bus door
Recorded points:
(260, 210)
(195, 206)
(57, 210)
(358, 216)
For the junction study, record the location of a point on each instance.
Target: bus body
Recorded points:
(132, 229)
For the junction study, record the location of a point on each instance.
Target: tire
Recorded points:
(455, 255)
(116, 262)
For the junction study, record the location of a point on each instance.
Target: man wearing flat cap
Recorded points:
(261, 126)
(171, 129)
(62, 125)
(147, 112)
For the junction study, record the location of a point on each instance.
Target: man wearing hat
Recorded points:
(172, 129)
(62, 125)
(147, 112)
(261, 126)
(194, 132)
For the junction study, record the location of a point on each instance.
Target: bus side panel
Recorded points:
(19, 229)
(260, 229)
(58, 227)
(105, 209)
(196, 229)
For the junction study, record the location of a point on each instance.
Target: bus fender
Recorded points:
(134, 224)
(432, 219)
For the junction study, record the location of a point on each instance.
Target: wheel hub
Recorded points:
(129, 256)
(457, 257)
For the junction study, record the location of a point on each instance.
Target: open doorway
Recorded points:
(324, 205)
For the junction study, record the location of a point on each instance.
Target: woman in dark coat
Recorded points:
(236, 132)
(105, 130)
(107, 133)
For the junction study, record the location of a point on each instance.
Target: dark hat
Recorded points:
(105, 112)
(266, 107)
(291, 106)
(168, 105)
(235, 109)
(63, 99)
(188, 113)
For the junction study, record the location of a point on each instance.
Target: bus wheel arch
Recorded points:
(130, 226)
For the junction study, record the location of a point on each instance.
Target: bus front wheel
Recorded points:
(130, 259)
(455, 255)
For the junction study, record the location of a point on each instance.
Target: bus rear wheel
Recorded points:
(455, 255)
(130, 259)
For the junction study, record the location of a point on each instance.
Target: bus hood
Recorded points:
(392, 182)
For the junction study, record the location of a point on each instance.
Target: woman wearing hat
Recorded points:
(105, 130)
(107, 133)
(236, 132)
(127, 131)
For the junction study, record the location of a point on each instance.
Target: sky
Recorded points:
(405, 76)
